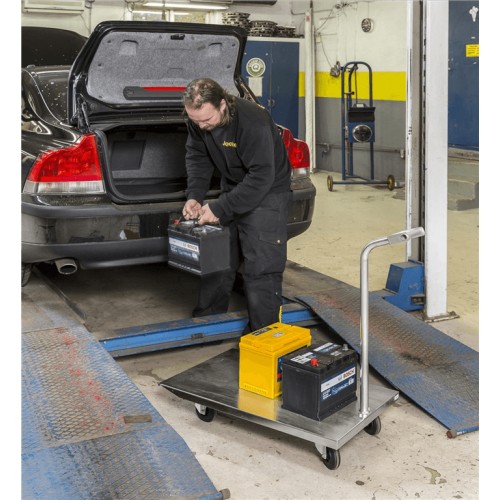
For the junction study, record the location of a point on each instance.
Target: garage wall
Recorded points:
(339, 38)
(83, 23)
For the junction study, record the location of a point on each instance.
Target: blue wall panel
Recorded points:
(463, 77)
(280, 79)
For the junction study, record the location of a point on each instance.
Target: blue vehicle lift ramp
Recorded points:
(88, 431)
(179, 333)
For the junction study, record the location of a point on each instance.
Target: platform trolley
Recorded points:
(213, 387)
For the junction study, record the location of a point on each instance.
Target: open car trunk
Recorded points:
(147, 163)
(136, 72)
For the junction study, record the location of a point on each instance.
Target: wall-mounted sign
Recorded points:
(367, 25)
(256, 67)
(472, 50)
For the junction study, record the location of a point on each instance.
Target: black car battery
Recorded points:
(319, 380)
(198, 249)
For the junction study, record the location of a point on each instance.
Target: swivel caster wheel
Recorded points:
(374, 427)
(391, 183)
(204, 413)
(332, 460)
(329, 183)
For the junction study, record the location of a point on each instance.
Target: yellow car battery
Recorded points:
(260, 356)
(199, 250)
(319, 380)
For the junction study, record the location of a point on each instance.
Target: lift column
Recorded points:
(427, 145)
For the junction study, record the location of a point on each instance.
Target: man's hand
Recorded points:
(191, 210)
(207, 216)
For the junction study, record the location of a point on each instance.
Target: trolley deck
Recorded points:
(213, 385)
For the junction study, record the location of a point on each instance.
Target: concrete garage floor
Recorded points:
(410, 458)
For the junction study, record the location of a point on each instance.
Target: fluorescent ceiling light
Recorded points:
(185, 6)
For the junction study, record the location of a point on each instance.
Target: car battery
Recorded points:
(261, 353)
(199, 250)
(319, 380)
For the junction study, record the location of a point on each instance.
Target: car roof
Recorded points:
(43, 46)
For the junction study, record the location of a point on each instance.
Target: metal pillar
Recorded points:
(413, 183)
(310, 92)
(427, 145)
(435, 105)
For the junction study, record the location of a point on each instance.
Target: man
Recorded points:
(239, 138)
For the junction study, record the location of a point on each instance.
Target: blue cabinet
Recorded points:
(271, 68)
(463, 75)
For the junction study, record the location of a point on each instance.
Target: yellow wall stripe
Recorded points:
(386, 86)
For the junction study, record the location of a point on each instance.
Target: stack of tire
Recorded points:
(284, 31)
(237, 19)
(262, 28)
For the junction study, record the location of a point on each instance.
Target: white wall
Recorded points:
(338, 24)
(339, 36)
(103, 10)
(84, 23)
(280, 12)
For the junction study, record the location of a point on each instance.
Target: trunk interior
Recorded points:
(149, 162)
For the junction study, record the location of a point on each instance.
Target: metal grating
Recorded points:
(151, 464)
(73, 390)
(88, 432)
(435, 371)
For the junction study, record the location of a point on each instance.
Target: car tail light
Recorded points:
(75, 169)
(298, 154)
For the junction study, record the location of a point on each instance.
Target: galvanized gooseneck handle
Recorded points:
(401, 237)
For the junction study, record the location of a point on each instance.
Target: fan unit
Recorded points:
(54, 6)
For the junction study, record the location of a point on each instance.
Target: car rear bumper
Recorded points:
(301, 210)
(108, 235)
(100, 255)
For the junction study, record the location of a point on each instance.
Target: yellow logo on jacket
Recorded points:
(228, 144)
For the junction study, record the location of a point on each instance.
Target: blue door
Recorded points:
(256, 70)
(272, 71)
(285, 85)
(463, 75)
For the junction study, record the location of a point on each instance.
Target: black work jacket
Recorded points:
(250, 155)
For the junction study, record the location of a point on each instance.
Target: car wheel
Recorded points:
(25, 273)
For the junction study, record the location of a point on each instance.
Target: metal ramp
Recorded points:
(88, 431)
(438, 373)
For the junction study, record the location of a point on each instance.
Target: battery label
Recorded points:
(304, 358)
(261, 331)
(334, 385)
(184, 249)
(325, 348)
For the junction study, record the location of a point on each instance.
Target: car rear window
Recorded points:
(42, 46)
(54, 89)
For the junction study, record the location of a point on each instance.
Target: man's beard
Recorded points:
(209, 128)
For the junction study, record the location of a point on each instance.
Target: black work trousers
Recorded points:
(258, 241)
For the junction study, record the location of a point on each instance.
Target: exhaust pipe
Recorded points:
(66, 266)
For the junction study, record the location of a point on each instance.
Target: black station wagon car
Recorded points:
(103, 143)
